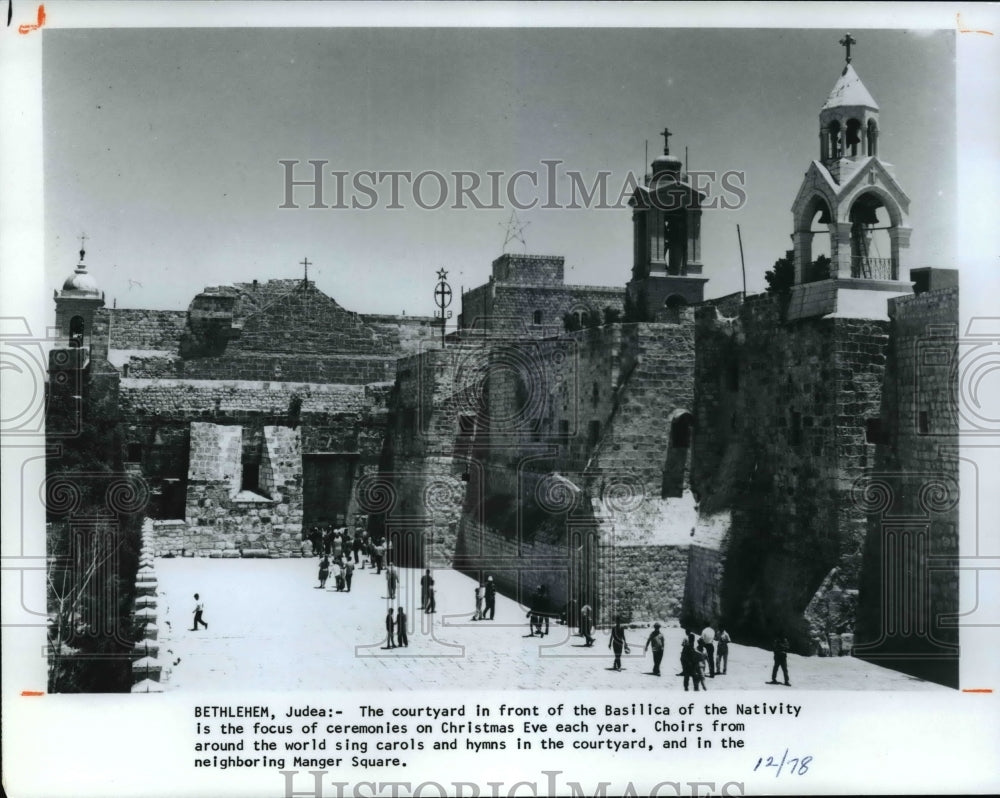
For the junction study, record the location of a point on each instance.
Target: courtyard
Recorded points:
(271, 628)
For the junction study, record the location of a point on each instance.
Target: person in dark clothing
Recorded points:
(586, 625)
(401, 628)
(324, 571)
(356, 546)
(655, 640)
(491, 599)
(690, 662)
(780, 660)
(390, 626)
(540, 607)
(348, 575)
(617, 644)
(431, 601)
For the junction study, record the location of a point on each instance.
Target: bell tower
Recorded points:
(76, 304)
(666, 225)
(851, 199)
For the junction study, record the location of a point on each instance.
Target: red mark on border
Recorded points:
(977, 690)
(32, 692)
(958, 23)
(23, 29)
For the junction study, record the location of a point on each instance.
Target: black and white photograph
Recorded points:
(499, 400)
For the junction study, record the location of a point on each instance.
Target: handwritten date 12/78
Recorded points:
(797, 766)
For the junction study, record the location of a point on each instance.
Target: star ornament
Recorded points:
(442, 274)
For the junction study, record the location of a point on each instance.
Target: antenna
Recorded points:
(742, 264)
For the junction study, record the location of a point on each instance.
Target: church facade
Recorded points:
(778, 462)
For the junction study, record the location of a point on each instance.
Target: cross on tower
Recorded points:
(846, 43)
(83, 237)
(666, 140)
(305, 262)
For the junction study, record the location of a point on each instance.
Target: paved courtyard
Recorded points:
(270, 628)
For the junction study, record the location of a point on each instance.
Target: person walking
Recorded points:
(356, 547)
(391, 578)
(491, 599)
(655, 640)
(617, 644)
(324, 571)
(348, 575)
(390, 625)
(431, 600)
(708, 638)
(780, 660)
(401, 628)
(338, 574)
(540, 606)
(425, 582)
(586, 625)
(199, 608)
(722, 651)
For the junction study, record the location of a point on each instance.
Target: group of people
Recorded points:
(708, 651)
(702, 655)
(359, 547)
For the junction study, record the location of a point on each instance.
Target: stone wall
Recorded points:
(911, 495)
(316, 368)
(158, 330)
(526, 298)
(334, 422)
(782, 414)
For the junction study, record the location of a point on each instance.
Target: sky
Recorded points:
(163, 146)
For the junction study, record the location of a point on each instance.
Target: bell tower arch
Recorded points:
(852, 193)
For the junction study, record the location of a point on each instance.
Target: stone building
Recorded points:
(784, 462)
(250, 415)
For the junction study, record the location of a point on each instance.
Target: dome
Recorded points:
(666, 164)
(82, 282)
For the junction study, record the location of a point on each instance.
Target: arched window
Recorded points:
(833, 130)
(853, 137)
(76, 325)
(678, 462)
(675, 301)
(872, 137)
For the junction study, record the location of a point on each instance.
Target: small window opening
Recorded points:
(873, 430)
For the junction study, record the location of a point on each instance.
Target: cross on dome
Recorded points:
(666, 140)
(846, 43)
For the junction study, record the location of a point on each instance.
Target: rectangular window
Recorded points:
(133, 453)
(923, 423)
